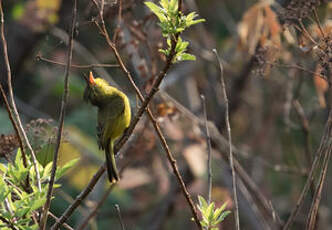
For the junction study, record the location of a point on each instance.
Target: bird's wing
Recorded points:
(108, 120)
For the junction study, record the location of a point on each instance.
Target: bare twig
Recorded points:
(40, 58)
(305, 127)
(325, 143)
(326, 152)
(312, 217)
(61, 120)
(223, 145)
(79, 198)
(12, 102)
(318, 23)
(208, 147)
(295, 66)
(95, 209)
(231, 161)
(117, 207)
(14, 125)
(65, 225)
(305, 32)
(119, 22)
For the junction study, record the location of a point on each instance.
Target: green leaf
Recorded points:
(61, 171)
(3, 168)
(189, 19)
(6, 215)
(218, 211)
(209, 212)
(18, 159)
(4, 190)
(223, 206)
(202, 202)
(22, 211)
(222, 217)
(204, 223)
(173, 6)
(45, 155)
(17, 11)
(181, 46)
(37, 203)
(191, 16)
(159, 12)
(187, 57)
(194, 22)
(47, 171)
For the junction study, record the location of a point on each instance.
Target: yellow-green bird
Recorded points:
(113, 117)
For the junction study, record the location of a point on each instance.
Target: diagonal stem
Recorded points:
(61, 121)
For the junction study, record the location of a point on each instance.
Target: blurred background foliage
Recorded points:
(266, 126)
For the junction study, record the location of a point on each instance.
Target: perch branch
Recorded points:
(61, 120)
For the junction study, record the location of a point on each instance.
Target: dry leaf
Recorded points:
(166, 110)
(259, 26)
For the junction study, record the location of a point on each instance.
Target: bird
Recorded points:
(114, 115)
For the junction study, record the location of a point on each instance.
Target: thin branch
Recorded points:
(318, 23)
(231, 161)
(208, 147)
(304, 30)
(119, 22)
(295, 66)
(12, 102)
(305, 127)
(95, 209)
(222, 144)
(61, 120)
(10, 115)
(78, 200)
(40, 58)
(65, 225)
(117, 207)
(14, 125)
(312, 216)
(326, 152)
(324, 142)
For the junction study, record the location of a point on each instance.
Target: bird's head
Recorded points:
(95, 89)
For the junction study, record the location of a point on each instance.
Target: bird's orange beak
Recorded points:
(90, 80)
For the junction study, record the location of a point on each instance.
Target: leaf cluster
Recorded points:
(211, 216)
(173, 22)
(19, 203)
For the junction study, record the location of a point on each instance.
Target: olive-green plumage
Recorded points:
(113, 117)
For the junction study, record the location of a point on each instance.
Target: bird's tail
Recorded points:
(112, 171)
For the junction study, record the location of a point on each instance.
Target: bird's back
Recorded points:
(114, 116)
